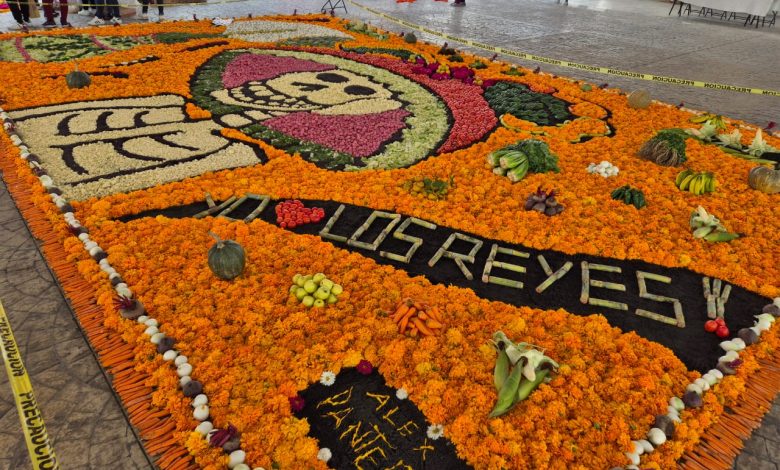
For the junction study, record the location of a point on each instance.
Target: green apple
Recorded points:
(300, 293)
(300, 281)
(332, 299)
(310, 286)
(326, 283)
(318, 278)
(336, 289)
(308, 301)
(319, 303)
(322, 294)
(293, 288)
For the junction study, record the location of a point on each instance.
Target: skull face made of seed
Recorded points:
(333, 92)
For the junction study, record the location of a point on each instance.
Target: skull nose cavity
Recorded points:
(359, 90)
(331, 77)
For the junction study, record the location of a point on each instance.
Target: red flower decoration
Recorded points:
(365, 367)
(297, 403)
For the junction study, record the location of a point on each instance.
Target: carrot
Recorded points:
(431, 323)
(421, 326)
(406, 317)
(413, 332)
(434, 313)
(420, 306)
(400, 312)
(422, 316)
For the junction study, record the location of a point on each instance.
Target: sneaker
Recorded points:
(49, 24)
(160, 18)
(27, 24)
(116, 20)
(96, 22)
(141, 16)
(86, 12)
(67, 25)
(16, 27)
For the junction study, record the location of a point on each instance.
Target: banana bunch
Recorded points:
(630, 195)
(696, 182)
(708, 227)
(716, 120)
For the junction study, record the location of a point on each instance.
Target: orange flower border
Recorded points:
(748, 398)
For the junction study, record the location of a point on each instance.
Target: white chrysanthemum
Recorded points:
(401, 394)
(328, 378)
(435, 431)
(324, 454)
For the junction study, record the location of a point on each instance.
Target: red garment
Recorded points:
(48, 11)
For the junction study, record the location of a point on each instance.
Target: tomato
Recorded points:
(283, 224)
(720, 321)
(711, 326)
(722, 331)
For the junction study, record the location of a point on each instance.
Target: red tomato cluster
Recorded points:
(291, 213)
(717, 326)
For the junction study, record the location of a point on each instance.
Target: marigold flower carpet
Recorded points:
(302, 242)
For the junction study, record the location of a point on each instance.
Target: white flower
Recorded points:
(733, 140)
(435, 431)
(324, 454)
(759, 145)
(327, 379)
(401, 394)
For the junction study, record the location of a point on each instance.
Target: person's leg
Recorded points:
(16, 12)
(144, 7)
(25, 7)
(64, 13)
(160, 8)
(48, 12)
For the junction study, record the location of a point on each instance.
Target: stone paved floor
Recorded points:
(82, 415)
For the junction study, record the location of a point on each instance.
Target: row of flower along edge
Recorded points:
(183, 368)
(729, 361)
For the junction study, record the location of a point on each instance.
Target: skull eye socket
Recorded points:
(331, 77)
(359, 90)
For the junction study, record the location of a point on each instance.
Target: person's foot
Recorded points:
(142, 16)
(50, 24)
(27, 24)
(86, 12)
(96, 22)
(17, 27)
(456, 4)
(116, 20)
(67, 25)
(160, 18)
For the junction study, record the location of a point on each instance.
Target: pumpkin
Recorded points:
(77, 78)
(226, 258)
(639, 99)
(410, 38)
(765, 179)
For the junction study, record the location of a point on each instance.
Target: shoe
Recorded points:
(96, 22)
(67, 25)
(85, 12)
(27, 24)
(160, 18)
(16, 27)
(116, 20)
(141, 16)
(49, 24)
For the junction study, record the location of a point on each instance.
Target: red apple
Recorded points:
(722, 331)
(710, 326)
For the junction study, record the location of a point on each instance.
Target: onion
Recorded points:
(184, 370)
(200, 400)
(646, 444)
(201, 413)
(656, 437)
(170, 355)
(703, 384)
(205, 427)
(691, 400)
(633, 458)
(236, 457)
(180, 360)
(677, 403)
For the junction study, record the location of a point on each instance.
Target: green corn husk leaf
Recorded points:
(501, 371)
(507, 396)
(527, 386)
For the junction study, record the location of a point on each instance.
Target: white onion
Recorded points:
(157, 337)
(185, 380)
(646, 444)
(170, 355)
(656, 437)
(633, 458)
(180, 360)
(201, 413)
(184, 370)
(236, 457)
(201, 399)
(205, 427)
(151, 322)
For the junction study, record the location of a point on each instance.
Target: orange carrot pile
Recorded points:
(415, 318)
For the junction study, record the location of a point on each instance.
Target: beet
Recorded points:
(232, 445)
(665, 424)
(772, 309)
(165, 344)
(748, 336)
(192, 388)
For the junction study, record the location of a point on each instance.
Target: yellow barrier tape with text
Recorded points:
(38, 444)
(569, 64)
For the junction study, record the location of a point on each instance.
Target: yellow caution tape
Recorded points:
(162, 4)
(38, 444)
(569, 64)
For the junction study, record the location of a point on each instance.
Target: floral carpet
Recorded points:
(423, 258)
